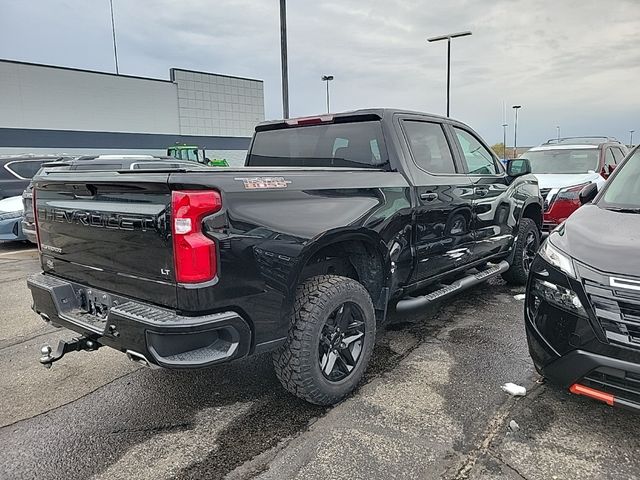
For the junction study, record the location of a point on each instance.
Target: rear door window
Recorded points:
(24, 169)
(429, 146)
(609, 159)
(477, 157)
(353, 144)
(617, 154)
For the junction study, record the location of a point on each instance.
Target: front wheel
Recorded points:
(330, 340)
(526, 247)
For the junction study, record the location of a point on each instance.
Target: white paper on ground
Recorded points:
(515, 390)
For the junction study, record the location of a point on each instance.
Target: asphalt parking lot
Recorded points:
(431, 407)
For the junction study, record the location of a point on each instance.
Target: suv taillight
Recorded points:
(35, 216)
(194, 252)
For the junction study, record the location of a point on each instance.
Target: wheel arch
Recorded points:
(364, 250)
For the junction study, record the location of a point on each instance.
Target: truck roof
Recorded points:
(373, 113)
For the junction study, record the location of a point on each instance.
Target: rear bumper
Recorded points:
(156, 335)
(29, 231)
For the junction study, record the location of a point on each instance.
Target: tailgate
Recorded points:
(108, 230)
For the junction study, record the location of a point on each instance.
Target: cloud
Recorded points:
(571, 63)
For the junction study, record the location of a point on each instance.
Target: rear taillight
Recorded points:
(194, 252)
(35, 217)
(565, 203)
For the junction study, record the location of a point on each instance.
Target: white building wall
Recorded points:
(212, 104)
(42, 97)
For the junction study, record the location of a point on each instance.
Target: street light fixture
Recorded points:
(448, 39)
(327, 78)
(515, 131)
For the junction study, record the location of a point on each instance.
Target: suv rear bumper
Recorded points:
(154, 335)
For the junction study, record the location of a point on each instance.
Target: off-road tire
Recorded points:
(518, 273)
(296, 362)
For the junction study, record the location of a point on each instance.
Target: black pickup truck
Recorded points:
(299, 253)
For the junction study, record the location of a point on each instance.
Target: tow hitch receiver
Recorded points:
(74, 345)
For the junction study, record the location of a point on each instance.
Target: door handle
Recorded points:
(429, 196)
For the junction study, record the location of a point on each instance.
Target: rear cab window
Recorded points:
(358, 144)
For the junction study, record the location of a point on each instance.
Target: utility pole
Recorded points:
(327, 78)
(558, 132)
(631, 138)
(504, 141)
(515, 132)
(283, 59)
(113, 31)
(448, 39)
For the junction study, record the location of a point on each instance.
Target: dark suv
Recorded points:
(16, 172)
(582, 310)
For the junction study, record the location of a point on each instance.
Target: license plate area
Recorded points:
(91, 308)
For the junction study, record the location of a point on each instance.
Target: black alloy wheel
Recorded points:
(529, 251)
(341, 341)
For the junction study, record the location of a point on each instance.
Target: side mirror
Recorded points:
(588, 193)
(517, 167)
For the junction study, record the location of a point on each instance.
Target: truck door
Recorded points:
(442, 228)
(493, 202)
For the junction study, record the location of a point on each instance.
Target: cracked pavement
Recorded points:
(430, 407)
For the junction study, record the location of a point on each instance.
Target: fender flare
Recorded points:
(326, 239)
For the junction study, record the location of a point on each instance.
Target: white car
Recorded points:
(11, 212)
(565, 166)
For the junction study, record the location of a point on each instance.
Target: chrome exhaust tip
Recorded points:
(140, 359)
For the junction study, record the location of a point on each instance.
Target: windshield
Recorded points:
(357, 144)
(623, 190)
(578, 160)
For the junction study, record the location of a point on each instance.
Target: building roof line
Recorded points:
(174, 69)
(137, 77)
(73, 69)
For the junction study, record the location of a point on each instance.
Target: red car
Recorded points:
(565, 166)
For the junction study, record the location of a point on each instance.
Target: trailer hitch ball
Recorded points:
(46, 358)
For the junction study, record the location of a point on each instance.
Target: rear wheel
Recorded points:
(330, 340)
(526, 247)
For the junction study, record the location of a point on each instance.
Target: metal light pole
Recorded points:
(515, 132)
(448, 39)
(113, 31)
(283, 59)
(504, 141)
(631, 138)
(327, 78)
(558, 132)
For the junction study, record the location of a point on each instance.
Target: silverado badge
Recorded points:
(255, 183)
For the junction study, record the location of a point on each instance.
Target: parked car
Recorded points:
(94, 162)
(582, 311)
(17, 170)
(564, 166)
(10, 219)
(299, 253)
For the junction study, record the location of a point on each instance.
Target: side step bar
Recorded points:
(411, 303)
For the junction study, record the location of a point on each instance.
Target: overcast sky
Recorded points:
(573, 63)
